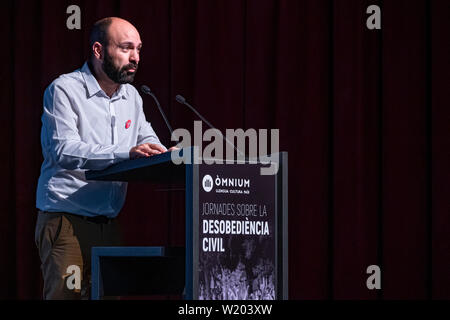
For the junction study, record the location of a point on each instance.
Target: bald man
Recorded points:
(92, 119)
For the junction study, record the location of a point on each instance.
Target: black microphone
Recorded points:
(147, 90)
(182, 100)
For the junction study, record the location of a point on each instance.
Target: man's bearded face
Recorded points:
(118, 74)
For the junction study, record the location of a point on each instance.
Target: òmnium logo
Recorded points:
(207, 183)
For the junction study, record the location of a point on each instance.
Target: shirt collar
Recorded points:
(93, 87)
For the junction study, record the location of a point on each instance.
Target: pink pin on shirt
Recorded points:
(127, 124)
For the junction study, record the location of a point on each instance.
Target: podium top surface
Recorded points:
(158, 168)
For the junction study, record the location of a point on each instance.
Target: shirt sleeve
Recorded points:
(63, 139)
(146, 133)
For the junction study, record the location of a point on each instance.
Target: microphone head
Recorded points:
(145, 89)
(180, 99)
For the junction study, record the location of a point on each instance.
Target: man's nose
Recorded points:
(134, 56)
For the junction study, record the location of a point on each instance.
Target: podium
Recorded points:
(236, 245)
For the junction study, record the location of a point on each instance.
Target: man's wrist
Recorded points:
(122, 154)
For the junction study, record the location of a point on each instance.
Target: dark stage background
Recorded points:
(363, 114)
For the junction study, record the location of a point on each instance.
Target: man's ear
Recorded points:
(97, 49)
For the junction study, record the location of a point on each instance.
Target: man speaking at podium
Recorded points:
(92, 119)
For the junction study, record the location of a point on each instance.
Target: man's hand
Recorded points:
(146, 150)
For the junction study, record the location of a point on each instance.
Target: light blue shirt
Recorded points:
(83, 129)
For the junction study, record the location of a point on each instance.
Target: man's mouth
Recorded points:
(131, 69)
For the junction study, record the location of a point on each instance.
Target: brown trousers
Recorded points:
(64, 242)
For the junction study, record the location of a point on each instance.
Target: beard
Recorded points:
(118, 75)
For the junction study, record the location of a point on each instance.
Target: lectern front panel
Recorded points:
(236, 230)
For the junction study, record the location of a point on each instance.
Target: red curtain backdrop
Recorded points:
(363, 114)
